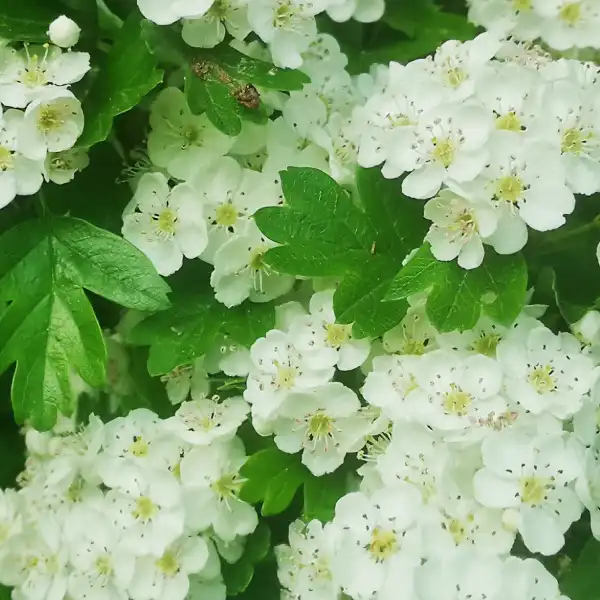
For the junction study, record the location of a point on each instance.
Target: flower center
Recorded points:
(145, 509)
(533, 490)
(573, 141)
(34, 75)
(319, 425)
(285, 377)
(337, 334)
(464, 224)
(457, 530)
(228, 486)
(168, 564)
(521, 5)
(570, 13)
(284, 15)
(509, 122)
(383, 544)
(486, 345)
(6, 159)
(457, 402)
(166, 223)
(443, 151)
(257, 259)
(49, 119)
(140, 447)
(542, 380)
(190, 136)
(226, 215)
(104, 565)
(455, 76)
(509, 188)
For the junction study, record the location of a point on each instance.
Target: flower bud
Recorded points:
(64, 32)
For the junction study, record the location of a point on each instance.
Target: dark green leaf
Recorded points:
(457, 296)
(26, 20)
(321, 495)
(259, 470)
(581, 580)
(237, 576)
(166, 44)
(258, 544)
(283, 487)
(129, 73)
(50, 326)
(323, 233)
(193, 324)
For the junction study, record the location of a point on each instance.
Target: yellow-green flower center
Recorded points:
(228, 486)
(337, 334)
(509, 188)
(486, 345)
(457, 402)
(144, 509)
(49, 119)
(166, 222)
(140, 447)
(570, 13)
(320, 425)
(522, 5)
(104, 565)
(533, 490)
(168, 564)
(443, 151)
(383, 544)
(6, 159)
(226, 215)
(508, 122)
(542, 380)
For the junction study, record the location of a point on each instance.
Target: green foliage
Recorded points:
(238, 576)
(581, 579)
(322, 493)
(26, 20)
(273, 478)
(129, 73)
(324, 234)
(193, 324)
(52, 327)
(458, 296)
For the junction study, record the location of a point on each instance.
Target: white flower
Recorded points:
(231, 195)
(323, 342)
(414, 335)
(51, 124)
(201, 422)
(458, 228)
(447, 143)
(212, 482)
(18, 174)
(463, 573)
(304, 567)
(531, 476)
(180, 141)
(168, 223)
(454, 391)
(209, 30)
(417, 457)
(168, 577)
(544, 372)
(587, 331)
(507, 16)
(241, 272)
(323, 423)
(481, 339)
(64, 32)
(187, 380)
(278, 370)
(165, 12)
(61, 167)
(38, 72)
(10, 519)
(149, 519)
(364, 11)
(102, 566)
(37, 562)
(379, 545)
(288, 26)
(528, 578)
(391, 385)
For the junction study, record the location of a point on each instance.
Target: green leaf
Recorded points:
(252, 70)
(283, 487)
(258, 544)
(26, 21)
(130, 72)
(323, 233)
(259, 470)
(193, 324)
(50, 326)
(458, 296)
(321, 495)
(215, 98)
(581, 580)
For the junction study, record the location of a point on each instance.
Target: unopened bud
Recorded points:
(64, 32)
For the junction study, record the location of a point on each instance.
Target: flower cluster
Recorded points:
(221, 181)
(291, 391)
(561, 24)
(135, 508)
(498, 136)
(487, 434)
(288, 27)
(44, 118)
